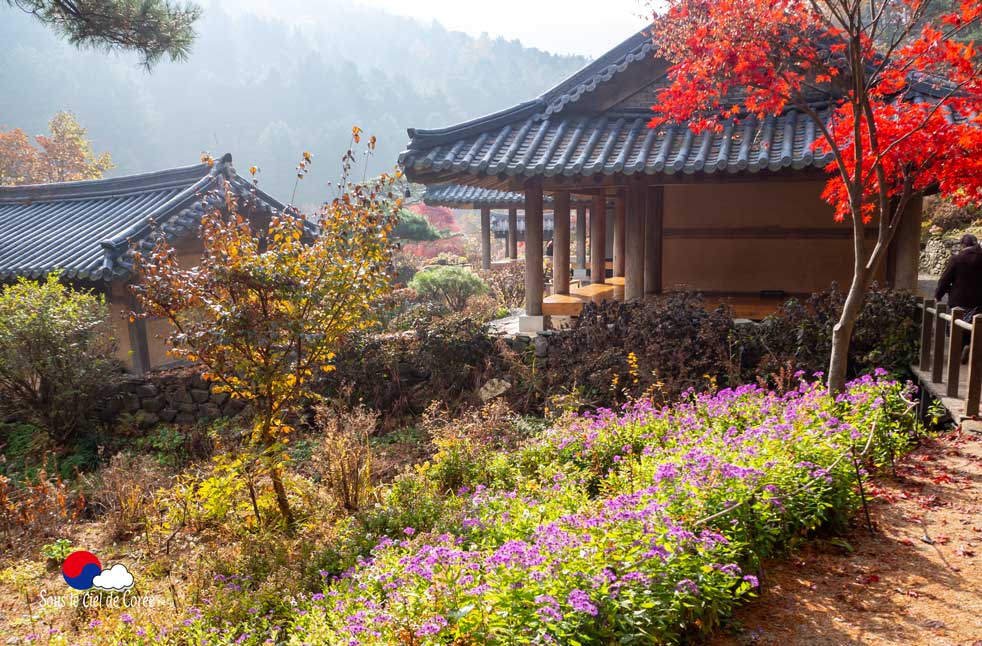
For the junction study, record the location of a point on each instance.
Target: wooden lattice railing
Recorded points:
(942, 336)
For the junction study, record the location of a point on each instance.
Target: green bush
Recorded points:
(799, 336)
(449, 286)
(415, 227)
(57, 362)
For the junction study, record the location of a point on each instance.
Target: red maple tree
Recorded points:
(439, 217)
(894, 90)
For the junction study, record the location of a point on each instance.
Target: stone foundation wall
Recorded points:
(937, 252)
(175, 397)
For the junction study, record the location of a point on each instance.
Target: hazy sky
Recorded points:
(562, 26)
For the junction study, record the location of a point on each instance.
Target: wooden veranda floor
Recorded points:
(743, 306)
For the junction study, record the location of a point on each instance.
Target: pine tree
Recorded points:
(151, 27)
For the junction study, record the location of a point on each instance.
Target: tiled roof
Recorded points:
(85, 229)
(583, 145)
(567, 133)
(460, 196)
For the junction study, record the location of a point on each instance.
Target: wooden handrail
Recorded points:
(942, 330)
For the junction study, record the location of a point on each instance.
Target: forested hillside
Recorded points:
(265, 88)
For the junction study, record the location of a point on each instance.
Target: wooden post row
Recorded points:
(954, 353)
(927, 332)
(974, 368)
(937, 358)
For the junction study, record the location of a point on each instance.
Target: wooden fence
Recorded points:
(940, 369)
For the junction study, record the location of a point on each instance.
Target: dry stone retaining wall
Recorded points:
(175, 397)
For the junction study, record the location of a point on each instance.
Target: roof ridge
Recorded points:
(93, 188)
(603, 68)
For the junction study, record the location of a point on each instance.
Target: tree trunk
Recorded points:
(842, 336)
(281, 499)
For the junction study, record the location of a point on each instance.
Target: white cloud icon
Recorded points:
(116, 578)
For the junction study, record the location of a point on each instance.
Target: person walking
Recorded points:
(961, 282)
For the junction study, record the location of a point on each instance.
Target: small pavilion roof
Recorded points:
(86, 229)
(595, 124)
(461, 196)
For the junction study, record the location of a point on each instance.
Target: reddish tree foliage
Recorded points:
(894, 93)
(430, 249)
(439, 217)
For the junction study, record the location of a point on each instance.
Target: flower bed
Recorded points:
(639, 526)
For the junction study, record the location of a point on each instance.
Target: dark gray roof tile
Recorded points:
(85, 229)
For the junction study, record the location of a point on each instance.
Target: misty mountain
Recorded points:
(266, 88)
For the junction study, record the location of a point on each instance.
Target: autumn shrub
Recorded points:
(484, 308)
(57, 357)
(454, 245)
(344, 457)
(270, 303)
(122, 492)
(448, 286)
(507, 285)
(468, 445)
(661, 346)
(40, 507)
(944, 215)
(399, 374)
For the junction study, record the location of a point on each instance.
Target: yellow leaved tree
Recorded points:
(265, 310)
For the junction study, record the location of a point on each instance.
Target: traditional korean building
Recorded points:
(735, 214)
(88, 230)
(509, 227)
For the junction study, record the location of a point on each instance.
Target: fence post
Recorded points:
(974, 368)
(937, 355)
(927, 330)
(955, 353)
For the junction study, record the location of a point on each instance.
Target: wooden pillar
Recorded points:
(581, 238)
(513, 233)
(139, 343)
(654, 223)
(598, 239)
(485, 238)
(633, 245)
(533, 249)
(905, 250)
(620, 210)
(560, 243)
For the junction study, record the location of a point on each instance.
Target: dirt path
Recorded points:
(918, 580)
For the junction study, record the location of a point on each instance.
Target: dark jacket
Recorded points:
(962, 279)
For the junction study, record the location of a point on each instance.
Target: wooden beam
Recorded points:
(598, 239)
(513, 233)
(633, 231)
(765, 233)
(620, 210)
(560, 243)
(533, 249)
(654, 223)
(585, 184)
